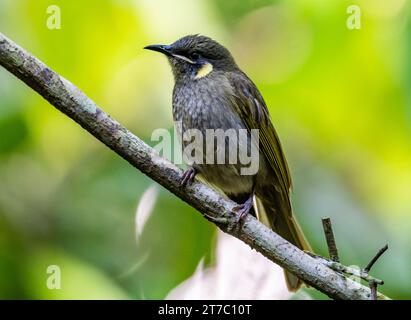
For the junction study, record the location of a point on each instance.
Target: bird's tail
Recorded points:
(276, 213)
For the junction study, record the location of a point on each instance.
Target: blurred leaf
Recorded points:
(78, 279)
(144, 208)
(13, 132)
(232, 11)
(238, 273)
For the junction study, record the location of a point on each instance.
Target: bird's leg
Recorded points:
(244, 208)
(188, 176)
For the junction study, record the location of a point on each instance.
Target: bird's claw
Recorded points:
(188, 177)
(243, 209)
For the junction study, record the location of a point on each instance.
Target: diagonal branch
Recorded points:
(75, 104)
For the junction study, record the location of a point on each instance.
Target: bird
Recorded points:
(212, 92)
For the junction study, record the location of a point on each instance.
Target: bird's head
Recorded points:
(195, 57)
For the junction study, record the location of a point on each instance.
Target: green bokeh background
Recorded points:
(339, 98)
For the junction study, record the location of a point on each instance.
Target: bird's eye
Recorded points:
(195, 56)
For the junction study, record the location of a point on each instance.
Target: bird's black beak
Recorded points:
(165, 49)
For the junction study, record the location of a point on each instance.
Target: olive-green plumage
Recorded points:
(211, 92)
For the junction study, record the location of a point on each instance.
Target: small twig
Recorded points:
(329, 237)
(337, 266)
(376, 257)
(334, 263)
(373, 287)
(372, 282)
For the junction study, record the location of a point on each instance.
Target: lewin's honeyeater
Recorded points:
(211, 92)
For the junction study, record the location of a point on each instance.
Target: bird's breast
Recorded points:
(203, 105)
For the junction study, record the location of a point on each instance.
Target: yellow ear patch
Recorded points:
(204, 70)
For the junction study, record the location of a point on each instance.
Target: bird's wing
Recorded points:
(251, 106)
(274, 206)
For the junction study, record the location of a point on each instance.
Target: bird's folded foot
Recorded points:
(244, 209)
(188, 176)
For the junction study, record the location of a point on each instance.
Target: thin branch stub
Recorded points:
(329, 237)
